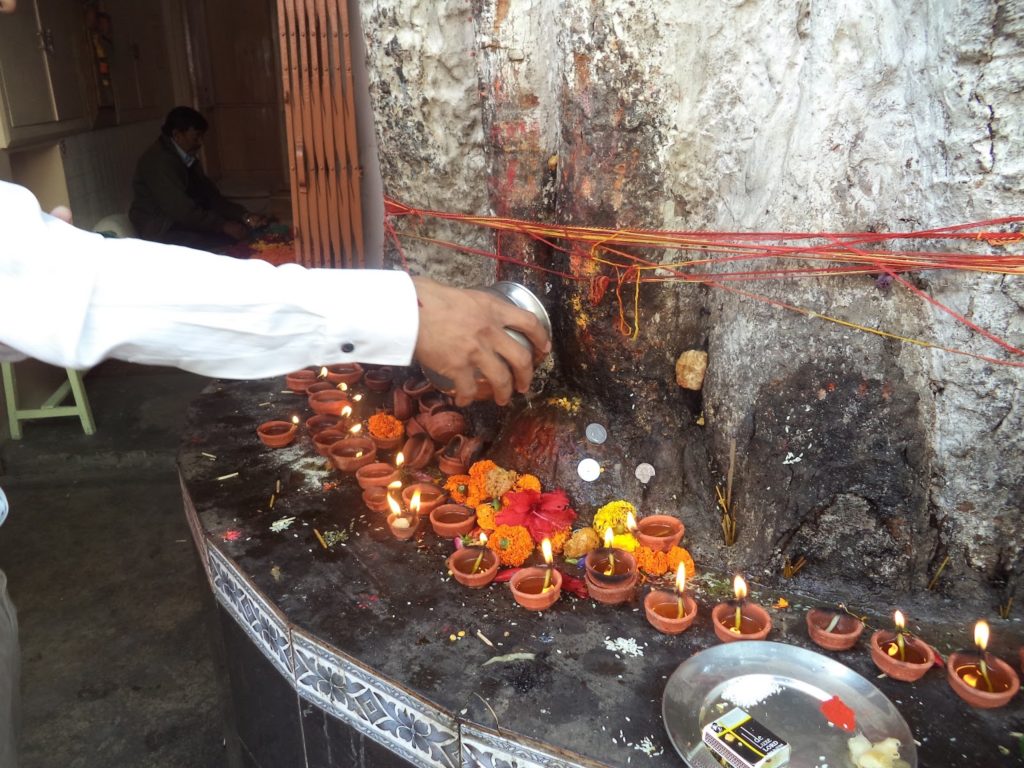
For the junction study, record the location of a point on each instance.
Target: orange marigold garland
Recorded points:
(527, 483)
(511, 543)
(678, 555)
(558, 539)
(384, 425)
(458, 488)
(485, 516)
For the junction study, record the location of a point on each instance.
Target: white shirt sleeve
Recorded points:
(72, 298)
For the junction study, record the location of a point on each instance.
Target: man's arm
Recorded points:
(167, 183)
(73, 298)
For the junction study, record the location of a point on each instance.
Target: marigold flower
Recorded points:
(678, 555)
(511, 543)
(384, 425)
(625, 541)
(458, 488)
(485, 516)
(480, 469)
(613, 515)
(558, 540)
(527, 483)
(660, 563)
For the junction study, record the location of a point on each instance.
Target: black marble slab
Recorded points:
(393, 607)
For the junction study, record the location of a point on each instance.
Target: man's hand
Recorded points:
(8, 6)
(235, 229)
(463, 331)
(255, 221)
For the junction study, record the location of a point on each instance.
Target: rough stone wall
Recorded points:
(872, 459)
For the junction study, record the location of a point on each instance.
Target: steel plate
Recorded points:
(802, 680)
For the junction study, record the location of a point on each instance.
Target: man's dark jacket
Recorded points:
(167, 194)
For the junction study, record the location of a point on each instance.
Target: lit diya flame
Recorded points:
(343, 387)
(323, 373)
(901, 645)
(545, 547)
(355, 429)
(395, 485)
(609, 538)
(739, 588)
(630, 522)
(399, 460)
(295, 420)
(981, 640)
(346, 411)
(357, 398)
(399, 520)
(414, 505)
(680, 588)
(482, 543)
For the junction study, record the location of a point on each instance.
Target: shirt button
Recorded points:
(348, 347)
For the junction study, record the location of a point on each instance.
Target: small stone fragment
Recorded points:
(690, 369)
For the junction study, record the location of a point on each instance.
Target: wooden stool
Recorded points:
(51, 408)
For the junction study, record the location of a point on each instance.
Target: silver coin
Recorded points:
(596, 433)
(644, 472)
(588, 470)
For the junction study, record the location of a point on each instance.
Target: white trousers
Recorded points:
(10, 678)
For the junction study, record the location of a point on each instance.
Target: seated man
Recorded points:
(174, 201)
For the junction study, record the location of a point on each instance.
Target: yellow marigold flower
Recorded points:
(613, 515)
(625, 541)
(511, 543)
(527, 483)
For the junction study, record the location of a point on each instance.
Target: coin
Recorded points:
(596, 433)
(588, 470)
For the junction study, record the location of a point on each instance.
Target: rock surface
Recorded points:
(871, 458)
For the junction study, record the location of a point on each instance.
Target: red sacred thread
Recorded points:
(829, 254)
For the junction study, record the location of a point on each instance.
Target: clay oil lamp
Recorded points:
(430, 496)
(392, 431)
(448, 459)
(328, 401)
(671, 613)
(659, 532)
(376, 498)
(899, 654)
(537, 589)
(278, 434)
(451, 520)
(443, 425)
(474, 566)
(344, 373)
(982, 680)
(402, 405)
(377, 475)
(297, 381)
(610, 573)
(322, 421)
(403, 525)
(379, 379)
(832, 630)
(433, 401)
(318, 386)
(325, 438)
(416, 387)
(740, 619)
(353, 452)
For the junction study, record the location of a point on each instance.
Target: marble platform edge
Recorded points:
(264, 625)
(382, 710)
(484, 748)
(392, 716)
(194, 526)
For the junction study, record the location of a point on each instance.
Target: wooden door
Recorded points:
(25, 69)
(323, 155)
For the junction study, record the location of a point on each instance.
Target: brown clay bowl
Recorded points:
(276, 434)
(376, 499)
(402, 405)
(298, 381)
(461, 562)
(319, 386)
(387, 443)
(526, 588)
(325, 438)
(377, 475)
(659, 532)
(842, 638)
(403, 534)
(442, 426)
(433, 401)
(598, 562)
(1005, 682)
(379, 379)
(662, 611)
(451, 520)
(350, 454)
(450, 466)
(329, 401)
(416, 386)
(431, 496)
(344, 373)
(418, 451)
(612, 593)
(753, 616)
(322, 421)
(919, 658)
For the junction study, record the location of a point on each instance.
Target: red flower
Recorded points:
(542, 514)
